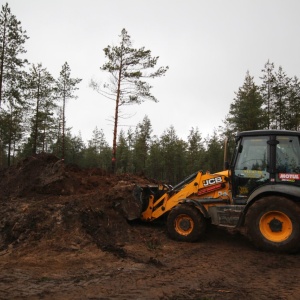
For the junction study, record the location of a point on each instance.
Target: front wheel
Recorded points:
(273, 223)
(186, 223)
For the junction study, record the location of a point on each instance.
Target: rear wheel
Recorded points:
(273, 223)
(186, 223)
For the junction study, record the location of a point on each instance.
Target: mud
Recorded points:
(63, 235)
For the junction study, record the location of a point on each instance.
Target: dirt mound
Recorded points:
(46, 174)
(45, 201)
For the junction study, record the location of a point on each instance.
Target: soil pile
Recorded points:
(45, 201)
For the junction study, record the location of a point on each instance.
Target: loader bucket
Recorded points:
(126, 200)
(141, 195)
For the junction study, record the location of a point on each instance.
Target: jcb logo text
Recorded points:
(212, 181)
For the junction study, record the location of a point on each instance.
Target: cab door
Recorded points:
(251, 167)
(288, 160)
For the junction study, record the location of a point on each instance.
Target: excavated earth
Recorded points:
(64, 235)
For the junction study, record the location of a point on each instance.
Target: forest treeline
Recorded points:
(32, 118)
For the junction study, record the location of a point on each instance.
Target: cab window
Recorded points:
(253, 154)
(251, 167)
(288, 155)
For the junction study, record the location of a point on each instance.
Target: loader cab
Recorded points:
(264, 157)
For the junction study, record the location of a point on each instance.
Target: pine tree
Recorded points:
(155, 165)
(246, 111)
(11, 130)
(196, 151)
(281, 92)
(74, 148)
(214, 153)
(168, 143)
(142, 144)
(128, 68)
(13, 114)
(266, 89)
(123, 153)
(180, 161)
(96, 152)
(174, 156)
(41, 94)
(65, 88)
(130, 140)
(293, 112)
(98, 141)
(12, 39)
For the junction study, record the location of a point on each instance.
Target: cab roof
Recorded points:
(267, 132)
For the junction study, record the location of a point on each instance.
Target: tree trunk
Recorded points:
(114, 151)
(2, 61)
(63, 125)
(36, 119)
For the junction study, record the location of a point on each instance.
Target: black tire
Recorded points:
(186, 223)
(273, 224)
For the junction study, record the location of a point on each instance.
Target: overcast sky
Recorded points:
(209, 45)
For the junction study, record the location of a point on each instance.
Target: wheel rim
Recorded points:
(276, 226)
(184, 224)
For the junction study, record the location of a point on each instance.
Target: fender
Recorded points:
(283, 189)
(198, 205)
(286, 189)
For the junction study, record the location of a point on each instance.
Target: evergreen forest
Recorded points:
(32, 117)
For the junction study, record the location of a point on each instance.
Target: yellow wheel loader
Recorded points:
(259, 191)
